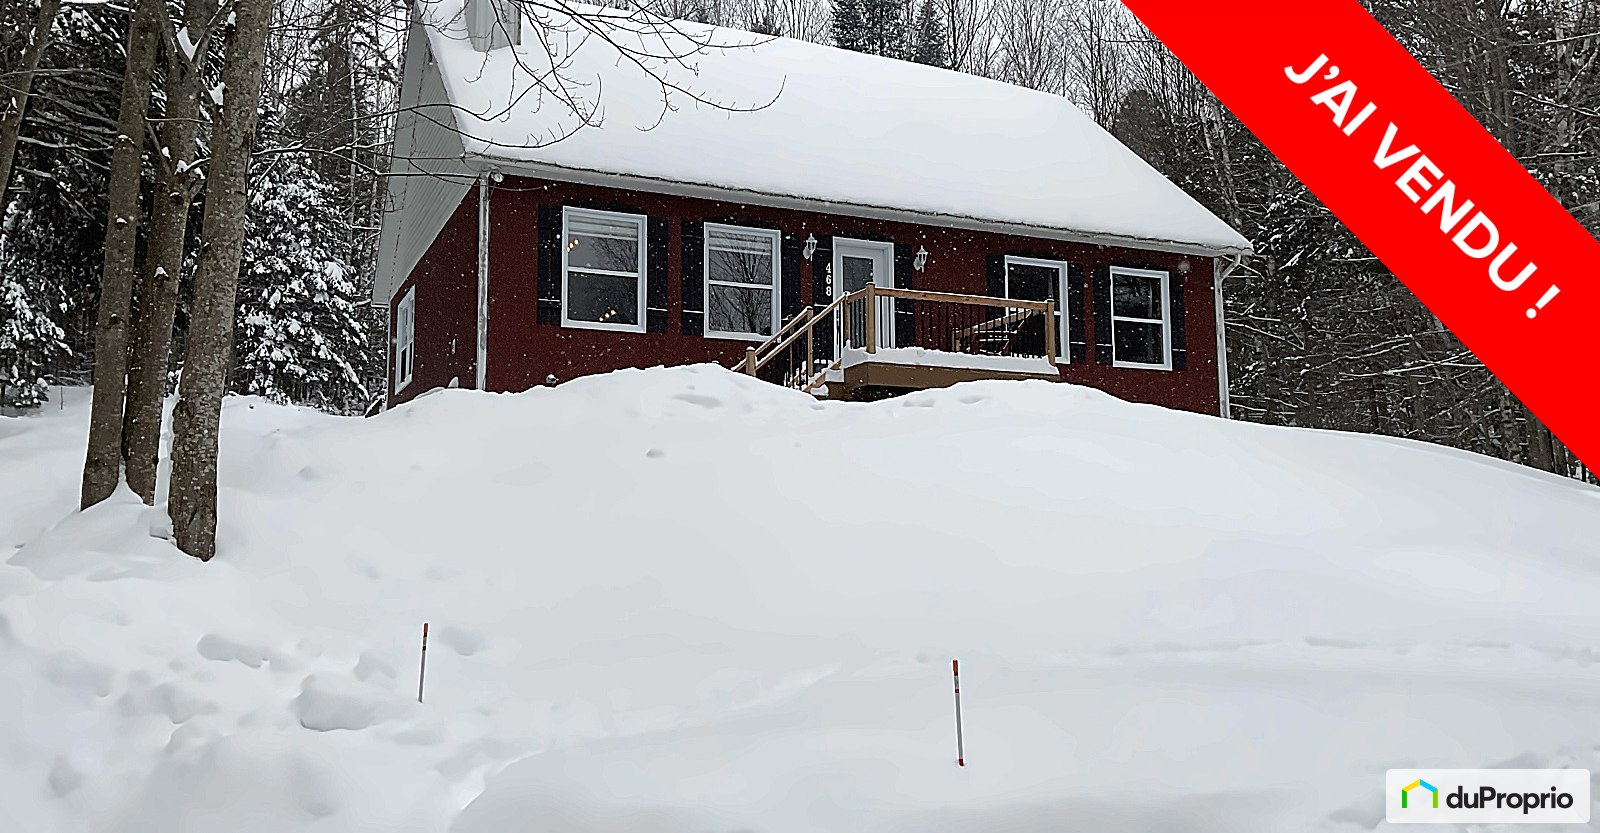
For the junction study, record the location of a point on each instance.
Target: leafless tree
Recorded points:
(192, 501)
(178, 181)
(1097, 54)
(1032, 38)
(102, 468)
(15, 85)
(973, 41)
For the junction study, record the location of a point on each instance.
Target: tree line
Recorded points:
(192, 191)
(189, 202)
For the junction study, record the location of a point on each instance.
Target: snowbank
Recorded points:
(684, 600)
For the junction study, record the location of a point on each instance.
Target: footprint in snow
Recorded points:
(222, 649)
(364, 568)
(327, 703)
(375, 667)
(464, 641)
(64, 777)
(698, 399)
(74, 673)
(177, 704)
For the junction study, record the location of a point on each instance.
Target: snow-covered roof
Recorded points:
(791, 119)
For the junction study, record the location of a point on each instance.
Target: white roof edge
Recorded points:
(872, 212)
(426, 158)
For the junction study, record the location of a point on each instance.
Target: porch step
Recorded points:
(825, 385)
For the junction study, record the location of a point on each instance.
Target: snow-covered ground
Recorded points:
(682, 600)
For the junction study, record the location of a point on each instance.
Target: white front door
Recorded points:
(857, 263)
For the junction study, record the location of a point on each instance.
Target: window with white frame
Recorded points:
(405, 332)
(1141, 319)
(741, 281)
(602, 270)
(1032, 279)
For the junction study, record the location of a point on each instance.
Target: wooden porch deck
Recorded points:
(933, 369)
(879, 341)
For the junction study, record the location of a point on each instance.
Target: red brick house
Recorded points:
(837, 222)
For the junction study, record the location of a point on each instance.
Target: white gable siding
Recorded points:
(430, 175)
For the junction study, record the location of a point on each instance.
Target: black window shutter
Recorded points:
(1180, 350)
(658, 237)
(822, 272)
(1077, 339)
(996, 272)
(693, 278)
(549, 265)
(790, 302)
(1102, 315)
(905, 323)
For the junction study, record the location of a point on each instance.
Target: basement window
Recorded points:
(602, 270)
(1141, 319)
(741, 281)
(405, 329)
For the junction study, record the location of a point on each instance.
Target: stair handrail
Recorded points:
(757, 357)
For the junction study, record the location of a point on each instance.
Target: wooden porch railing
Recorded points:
(944, 321)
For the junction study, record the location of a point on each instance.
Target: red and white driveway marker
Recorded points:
(422, 672)
(961, 752)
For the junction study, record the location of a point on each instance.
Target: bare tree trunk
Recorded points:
(19, 82)
(102, 466)
(176, 185)
(192, 502)
(1541, 445)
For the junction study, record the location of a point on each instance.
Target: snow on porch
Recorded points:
(924, 357)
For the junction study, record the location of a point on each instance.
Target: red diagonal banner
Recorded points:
(1413, 175)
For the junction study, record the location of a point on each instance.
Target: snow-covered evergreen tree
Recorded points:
(929, 45)
(850, 24)
(299, 335)
(885, 32)
(877, 27)
(334, 78)
(58, 185)
(31, 342)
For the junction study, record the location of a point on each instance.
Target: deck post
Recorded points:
(811, 352)
(750, 360)
(1050, 345)
(872, 318)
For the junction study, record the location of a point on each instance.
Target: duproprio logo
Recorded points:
(1485, 798)
(1488, 796)
(1405, 793)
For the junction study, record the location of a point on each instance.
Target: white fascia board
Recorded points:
(711, 192)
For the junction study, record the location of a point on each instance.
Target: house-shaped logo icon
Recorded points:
(1405, 792)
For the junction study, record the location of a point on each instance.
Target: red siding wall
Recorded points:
(446, 280)
(522, 352)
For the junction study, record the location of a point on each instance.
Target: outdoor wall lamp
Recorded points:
(921, 260)
(811, 247)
